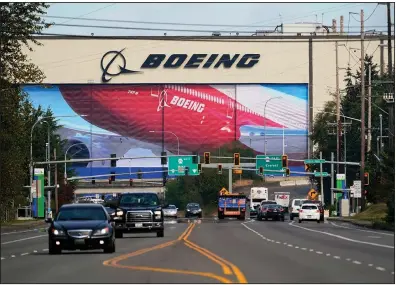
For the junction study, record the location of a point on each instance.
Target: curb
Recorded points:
(363, 224)
(22, 226)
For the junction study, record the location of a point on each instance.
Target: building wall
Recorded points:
(281, 61)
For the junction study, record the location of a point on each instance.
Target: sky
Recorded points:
(265, 15)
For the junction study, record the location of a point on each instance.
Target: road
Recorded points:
(212, 252)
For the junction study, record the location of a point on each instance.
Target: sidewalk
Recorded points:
(22, 225)
(363, 223)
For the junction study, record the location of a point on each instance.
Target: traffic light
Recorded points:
(237, 159)
(307, 168)
(113, 162)
(261, 170)
(112, 176)
(287, 172)
(199, 167)
(131, 182)
(93, 181)
(366, 178)
(110, 180)
(207, 157)
(220, 169)
(186, 170)
(164, 158)
(195, 158)
(284, 161)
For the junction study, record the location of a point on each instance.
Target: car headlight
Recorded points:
(58, 232)
(199, 210)
(157, 214)
(120, 213)
(101, 232)
(188, 210)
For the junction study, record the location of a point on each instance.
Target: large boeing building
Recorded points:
(132, 96)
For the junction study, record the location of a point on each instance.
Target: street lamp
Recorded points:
(178, 143)
(31, 144)
(65, 174)
(265, 135)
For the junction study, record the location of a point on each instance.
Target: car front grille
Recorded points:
(79, 233)
(133, 217)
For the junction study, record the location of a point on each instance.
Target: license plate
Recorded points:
(79, 241)
(308, 216)
(138, 225)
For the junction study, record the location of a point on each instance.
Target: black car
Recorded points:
(81, 226)
(271, 211)
(138, 213)
(193, 210)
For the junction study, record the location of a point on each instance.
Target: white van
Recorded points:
(294, 208)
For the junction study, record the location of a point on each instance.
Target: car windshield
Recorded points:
(297, 202)
(171, 207)
(81, 214)
(193, 206)
(272, 206)
(139, 200)
(309, 207)
(268, 203)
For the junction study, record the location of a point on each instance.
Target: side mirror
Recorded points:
(49, 220)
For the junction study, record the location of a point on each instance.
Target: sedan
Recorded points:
(81, 226)
(170, 212)
(271, 211)
(193, 210)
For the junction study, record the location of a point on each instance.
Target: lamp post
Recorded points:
(65, 173)
(178, 143)
(265, 135)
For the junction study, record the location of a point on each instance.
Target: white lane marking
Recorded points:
(26, 253)
(285, 243)
(393, 273)
(303, 248)
(311, 249)
(278, 242)
(319, 252)
(2, 258)
(12, 255)
(45, 249)
(367, 231)
(22, 239)
(348, 259)
(373, 237)
(21, 232)
(342, 237)
(336, 257)
(370, 264)
(357, 262)
(290, 245)
(328, 254)
(380, 268)
(297, 246)
(34, 250)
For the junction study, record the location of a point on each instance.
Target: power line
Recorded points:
(169, 23)
(77, 17)
(163, 29)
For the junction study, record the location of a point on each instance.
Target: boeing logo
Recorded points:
(174, 61)
(122, 69)
(179, 102)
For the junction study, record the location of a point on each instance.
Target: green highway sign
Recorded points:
(324, 174)
(269, 162)
(313, 161)
(178, 164)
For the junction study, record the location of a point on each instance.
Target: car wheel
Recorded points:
(291, 217)
(110, 248)
(119, 234)
(259, 218)
(53, 250)
(318, 221)
(283, 219)
(299, 220)
(160, 233)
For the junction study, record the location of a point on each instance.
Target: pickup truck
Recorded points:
(138, 213)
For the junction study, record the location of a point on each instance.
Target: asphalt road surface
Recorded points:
(212, 252)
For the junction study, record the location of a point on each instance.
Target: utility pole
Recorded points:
(369, 111)
(381, 57)
(56, 183)
(390, 70)
(338, 108)
(362, 100)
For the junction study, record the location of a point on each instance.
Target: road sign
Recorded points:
(324, 174)
(177, 165)
(269, 162)
(357, 189)
(237, 171)
(312, 194)
(313, 161)
(224, 191)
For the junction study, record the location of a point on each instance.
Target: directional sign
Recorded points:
(312, 194)
(269, 162)
(313, 161)
(357, 189)
(177, 165)
(324, 174)
(224, 191)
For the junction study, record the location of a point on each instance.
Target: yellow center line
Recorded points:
(222, 262)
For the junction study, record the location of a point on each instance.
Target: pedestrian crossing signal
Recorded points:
(220, 169)
(287, 172)
(261, 170)
(207, 157)
(237, 159)
(284, 161)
